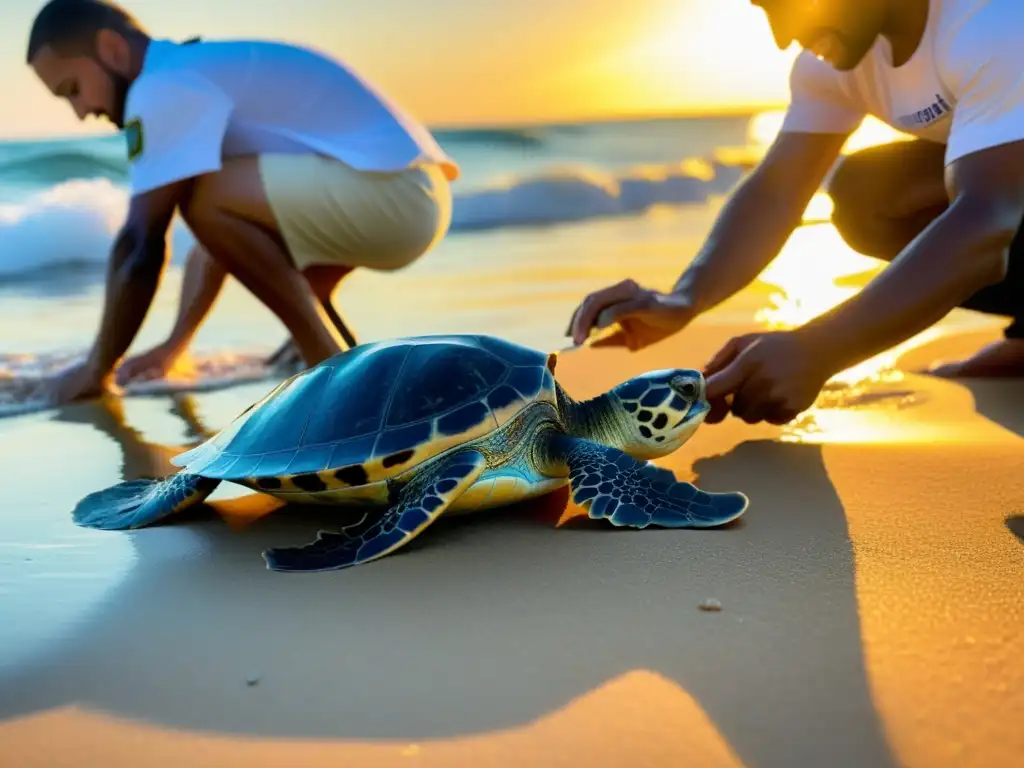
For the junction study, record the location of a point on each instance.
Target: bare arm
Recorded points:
(750, 231)
(136, 265)
(962, 251)
(759, 218)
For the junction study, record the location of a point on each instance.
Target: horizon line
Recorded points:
(743, 110)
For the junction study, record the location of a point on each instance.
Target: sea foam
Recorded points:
(74, 223)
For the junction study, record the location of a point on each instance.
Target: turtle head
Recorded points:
(660, 410)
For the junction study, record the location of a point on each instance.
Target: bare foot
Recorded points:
(1000, 359)
(287, 356)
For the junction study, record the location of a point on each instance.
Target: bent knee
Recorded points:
(846, 184)
(201, 205)
(870, 233)
(855, 214)
(235, 190)
(884, 196)
(865, 211)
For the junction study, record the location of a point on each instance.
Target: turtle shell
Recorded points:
(374, 411)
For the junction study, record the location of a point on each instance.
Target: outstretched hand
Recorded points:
(770, 377)
(644, 316)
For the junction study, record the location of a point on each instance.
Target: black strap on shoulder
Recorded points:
(191, 40)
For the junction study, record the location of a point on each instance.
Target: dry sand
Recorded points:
(872, 613)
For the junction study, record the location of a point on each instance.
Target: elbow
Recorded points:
(992, 259)
(997, 265)
(990, 268)
(996, 224)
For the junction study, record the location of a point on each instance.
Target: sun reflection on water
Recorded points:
(815, 272)
(765, 126)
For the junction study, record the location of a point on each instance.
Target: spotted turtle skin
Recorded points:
(344, 428)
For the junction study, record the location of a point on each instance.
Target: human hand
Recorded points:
(80, 382)
(770, 377)
(644, 316)
(161, 362)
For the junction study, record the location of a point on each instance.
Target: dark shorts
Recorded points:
(866, 189)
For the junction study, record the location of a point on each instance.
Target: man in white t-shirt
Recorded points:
(945, 208)
(288, 167)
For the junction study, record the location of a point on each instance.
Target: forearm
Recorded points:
(201, 285)
(749, 233)
(133, 277)
(957, 255)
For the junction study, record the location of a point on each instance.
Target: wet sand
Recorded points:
(871, 603)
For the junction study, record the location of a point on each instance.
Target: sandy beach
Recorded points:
(871, 597)
(871, 610)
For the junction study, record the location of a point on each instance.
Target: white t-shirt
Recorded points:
(963, 87)
(194, 104)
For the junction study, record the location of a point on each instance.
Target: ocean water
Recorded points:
(163, 626)
(59, 199)
(544, 211)
(541, 217)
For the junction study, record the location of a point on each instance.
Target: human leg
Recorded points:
(331, 215)
(1005, 357)
(229, 214)
(201, 285)
(886, 196)
(323, 279)
(333, 219)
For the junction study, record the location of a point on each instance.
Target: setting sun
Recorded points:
(574, 59)
(688, 56)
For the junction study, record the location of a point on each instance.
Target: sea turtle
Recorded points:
(416, 427)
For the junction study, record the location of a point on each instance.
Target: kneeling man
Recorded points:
(288, 167)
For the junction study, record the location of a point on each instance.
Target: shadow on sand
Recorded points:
(999, 401)
(1016, 526)
(1002, 403)
(487, 623)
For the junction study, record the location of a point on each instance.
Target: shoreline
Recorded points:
(870, 609)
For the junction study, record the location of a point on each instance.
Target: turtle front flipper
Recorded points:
(612, 485)
(138, 503)
(419, 504)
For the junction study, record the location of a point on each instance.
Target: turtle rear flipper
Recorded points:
(138, 503)
(612, 485)
(419, 504)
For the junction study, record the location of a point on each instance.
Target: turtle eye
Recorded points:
(687, 389)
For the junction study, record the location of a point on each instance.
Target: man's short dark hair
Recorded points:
(70, 26)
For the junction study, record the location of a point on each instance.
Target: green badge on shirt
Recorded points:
(133, 134)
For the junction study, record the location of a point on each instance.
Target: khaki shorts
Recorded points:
(330, 213)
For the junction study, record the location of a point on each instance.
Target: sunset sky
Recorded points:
(460, 62)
